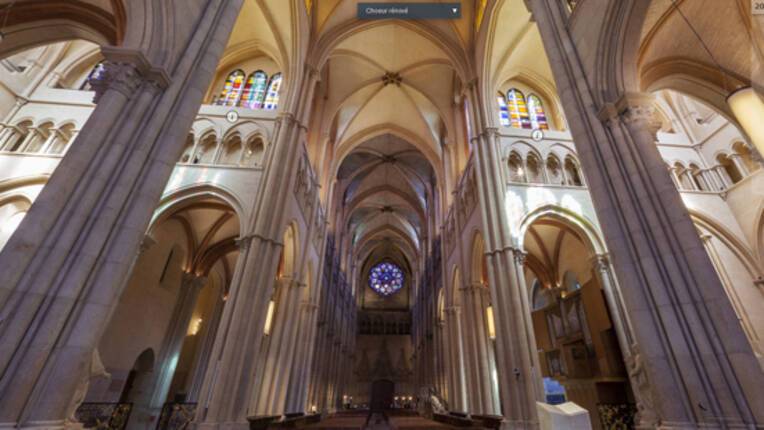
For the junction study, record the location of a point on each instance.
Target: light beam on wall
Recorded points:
(748, 108)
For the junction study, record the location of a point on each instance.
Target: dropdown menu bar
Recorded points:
(409, 10)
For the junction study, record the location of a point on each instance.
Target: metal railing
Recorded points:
(104, 416)
(176, 416)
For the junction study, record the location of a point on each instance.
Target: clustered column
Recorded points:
(457, 378)
(480, 395)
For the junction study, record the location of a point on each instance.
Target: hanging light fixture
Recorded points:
(748, 107)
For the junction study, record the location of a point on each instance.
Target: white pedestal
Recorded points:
(565, 416)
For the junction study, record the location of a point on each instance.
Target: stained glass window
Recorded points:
(536, 111)
(94, 75)
(386, 278)
(503, 113)
(272, 99)
(232, 90)
(518, 111)
(254, 91)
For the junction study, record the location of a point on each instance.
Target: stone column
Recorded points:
(297, 396)
(204, 354)
(692, 356)
(458, 399)
(475, 299)
(723, 177)
(518, 378)
(741, 167)
(63, 270)
(147, 409)
(273, 383)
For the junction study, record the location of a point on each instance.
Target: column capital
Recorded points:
(631, 108)
(474, 287)
(452, 310)
(600, 262)
(127, 70)
(309, 306)
(146, 243)
(489, 132)
(520, 256)
(243, 242)
(192, 280)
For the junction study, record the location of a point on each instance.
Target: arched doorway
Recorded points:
(576, 335)
(138, 378)
(172, 305)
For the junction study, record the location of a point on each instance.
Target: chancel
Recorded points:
(264, 214)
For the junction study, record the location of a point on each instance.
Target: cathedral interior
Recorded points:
(261, 214)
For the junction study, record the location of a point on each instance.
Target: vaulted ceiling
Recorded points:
(385, 196)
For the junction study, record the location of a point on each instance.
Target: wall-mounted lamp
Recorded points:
(269, 318)
(196, 325)
(491, 323)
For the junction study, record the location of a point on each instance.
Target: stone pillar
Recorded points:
(297, 396)
(231, 386)
(63, 270)
(480, 397)
(519, 382)
(273, 383)
(204, 355)
(458, 380)
(692, 357)
(724, 179)
(740, 164)
(148, 409)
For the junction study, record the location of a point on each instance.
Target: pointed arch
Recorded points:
(477, 259)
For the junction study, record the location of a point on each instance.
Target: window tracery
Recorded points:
(503, 112)
(272, 98)
(386, 278)
(536, 113)
(232, 90)
(254, 91)
(518, 110)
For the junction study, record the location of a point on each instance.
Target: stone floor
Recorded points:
(377, 421)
